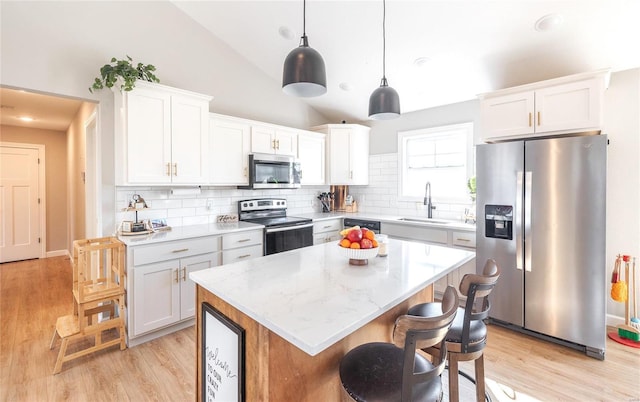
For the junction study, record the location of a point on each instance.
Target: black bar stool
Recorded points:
(467, 337)
(381, 371)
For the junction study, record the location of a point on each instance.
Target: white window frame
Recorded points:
(403, 136)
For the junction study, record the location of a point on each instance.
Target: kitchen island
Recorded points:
(302, 310)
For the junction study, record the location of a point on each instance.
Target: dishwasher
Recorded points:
(374, 226)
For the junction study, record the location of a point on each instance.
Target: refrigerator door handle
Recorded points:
(518, 220)
(528, 183)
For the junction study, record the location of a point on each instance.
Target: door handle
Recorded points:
(539, 119)
(175, 169)
(518, 220)
(184, 274)
(529, 119)
(181, 250)
(168, 169)
(177, 278)
(528, 240)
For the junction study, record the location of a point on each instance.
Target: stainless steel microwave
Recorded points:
(273, 171)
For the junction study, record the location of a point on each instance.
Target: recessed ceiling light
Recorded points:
(549, 22)
(286, 33)
(421, 61)
(26, 118)
(345, 86)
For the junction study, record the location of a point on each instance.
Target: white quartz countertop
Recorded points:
(401, 220)
(187, 232)
(312, 297)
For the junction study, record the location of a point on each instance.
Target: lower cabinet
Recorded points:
(326, 231)
(447, 237)
(163, 294)
(160, 295)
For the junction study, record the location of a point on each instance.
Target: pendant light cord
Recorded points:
(304, 18)
(384, 44)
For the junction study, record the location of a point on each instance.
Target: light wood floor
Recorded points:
(34, 293)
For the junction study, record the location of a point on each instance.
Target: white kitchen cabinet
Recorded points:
(327, 231)
(347, 153)
(230, 144)
(160, 295)
(564, 105)
(269, 139)
(311, 154)
(161, 136)
(242, 246)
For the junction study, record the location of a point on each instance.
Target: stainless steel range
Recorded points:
(281, 232)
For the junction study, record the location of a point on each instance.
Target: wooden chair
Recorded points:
(383, 371)
(467, 337)
(99, 297)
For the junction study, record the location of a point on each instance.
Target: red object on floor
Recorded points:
(624, 341)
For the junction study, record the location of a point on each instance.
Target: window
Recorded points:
(442, 156)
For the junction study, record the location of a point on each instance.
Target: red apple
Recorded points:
(366, 243)
(354, 235)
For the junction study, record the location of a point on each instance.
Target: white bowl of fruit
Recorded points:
(358, 244)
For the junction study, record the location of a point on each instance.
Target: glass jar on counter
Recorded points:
(383, 241)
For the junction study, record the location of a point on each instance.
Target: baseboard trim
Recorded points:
(58, 253)
(614, 320)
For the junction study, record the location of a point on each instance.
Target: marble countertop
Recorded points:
(436, 223)
(187, 232)
(312, 297)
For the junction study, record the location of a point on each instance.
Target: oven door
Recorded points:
(286, 238)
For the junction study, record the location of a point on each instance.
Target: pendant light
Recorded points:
(384, 103)
(304, 74)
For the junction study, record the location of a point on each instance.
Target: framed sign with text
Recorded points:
(222, 357)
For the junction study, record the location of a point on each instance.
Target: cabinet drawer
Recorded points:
(334, 225)
(241, 254)
(175, 249)
(322, 238)
(242, 239)
(464, 239)
(413, 232)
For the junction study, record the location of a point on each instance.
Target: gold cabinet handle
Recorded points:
(180, 250)
(529, 119)
(168, 169)
(273, 144)
(184, 274)
(245, 171)
(244, 256)
(177, 279)
(467, 240)
(243, 240)
(278, 144)
(539, 119)
(175, 169)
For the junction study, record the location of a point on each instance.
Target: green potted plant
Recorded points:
(126, 71)
(471, 185)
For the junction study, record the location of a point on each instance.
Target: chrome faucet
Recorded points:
(427, 200)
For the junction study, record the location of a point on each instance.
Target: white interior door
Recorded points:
(19, 203)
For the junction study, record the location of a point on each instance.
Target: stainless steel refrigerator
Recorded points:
(541, 216)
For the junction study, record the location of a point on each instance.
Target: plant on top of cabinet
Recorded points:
(125, 71)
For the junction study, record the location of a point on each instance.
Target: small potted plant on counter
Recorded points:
(124, 71)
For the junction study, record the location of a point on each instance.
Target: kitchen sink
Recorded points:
(426, 220)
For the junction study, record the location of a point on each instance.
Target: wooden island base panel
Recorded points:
(276, 370)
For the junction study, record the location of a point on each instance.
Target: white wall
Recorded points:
(58, 47)
(622, 125)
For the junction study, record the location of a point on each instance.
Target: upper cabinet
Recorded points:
(161, 136)
(311, 154)
(559, 106)
(269, 139)
(347, 153)
(230, 144)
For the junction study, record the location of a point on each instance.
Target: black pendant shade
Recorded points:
(304, 74)
(384, 102)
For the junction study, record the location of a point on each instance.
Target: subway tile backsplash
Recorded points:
(379, 197)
